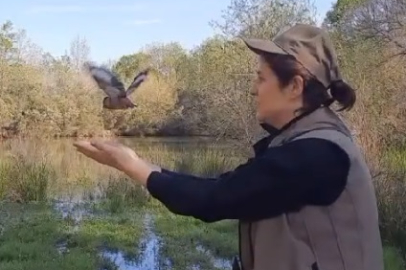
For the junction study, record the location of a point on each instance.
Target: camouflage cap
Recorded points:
(309, 45)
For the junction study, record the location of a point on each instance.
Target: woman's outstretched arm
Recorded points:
(284, 179)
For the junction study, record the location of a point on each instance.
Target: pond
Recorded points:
(60, 210)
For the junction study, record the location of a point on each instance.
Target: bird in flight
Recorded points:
(118, 97)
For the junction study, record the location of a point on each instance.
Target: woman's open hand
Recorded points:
(112, 154)
(118, 156)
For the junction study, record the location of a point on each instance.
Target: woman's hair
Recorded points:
(314, 93)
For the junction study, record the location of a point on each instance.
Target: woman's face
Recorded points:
(274, 105)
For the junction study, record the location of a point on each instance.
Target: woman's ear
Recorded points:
(296, 87)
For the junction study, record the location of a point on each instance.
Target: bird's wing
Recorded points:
(107, 81)
(140, 78)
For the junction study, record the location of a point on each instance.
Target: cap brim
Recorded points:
(261, 45)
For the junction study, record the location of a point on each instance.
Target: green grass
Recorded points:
(395, 159)
(29, 239)
(181, 235)
(391, 190)
(32, 233)
(393, 259)
(110, 233)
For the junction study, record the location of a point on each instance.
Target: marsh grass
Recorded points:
(122, 193)
(24, 180)
(45, 169)
(207, 163)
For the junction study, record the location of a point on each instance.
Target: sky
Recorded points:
(115, 28)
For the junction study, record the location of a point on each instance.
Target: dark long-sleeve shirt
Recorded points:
(281, 179)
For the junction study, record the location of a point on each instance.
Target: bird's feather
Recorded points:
(138, 79)
(107, 81)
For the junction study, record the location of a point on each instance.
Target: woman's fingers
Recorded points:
(113, 154)
(84, 147)
(88, 150)
(100, 145)
(81, 144)
(105, 145)
(114, 143)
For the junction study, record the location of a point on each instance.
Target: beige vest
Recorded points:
(343, 236)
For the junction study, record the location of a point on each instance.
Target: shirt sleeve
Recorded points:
(284, 179)
(184, 176)
(190, 176)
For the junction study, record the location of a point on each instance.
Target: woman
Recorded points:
(306, 200)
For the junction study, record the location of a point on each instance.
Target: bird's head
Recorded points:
(107, 102)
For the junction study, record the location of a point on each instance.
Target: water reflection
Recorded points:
(149, 255)
(73, 210)
(217, 262)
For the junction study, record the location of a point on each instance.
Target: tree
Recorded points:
(128, 65)
(384, 20)
(263, 18)
(336, 15)
(79, 52)
(7, 41)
